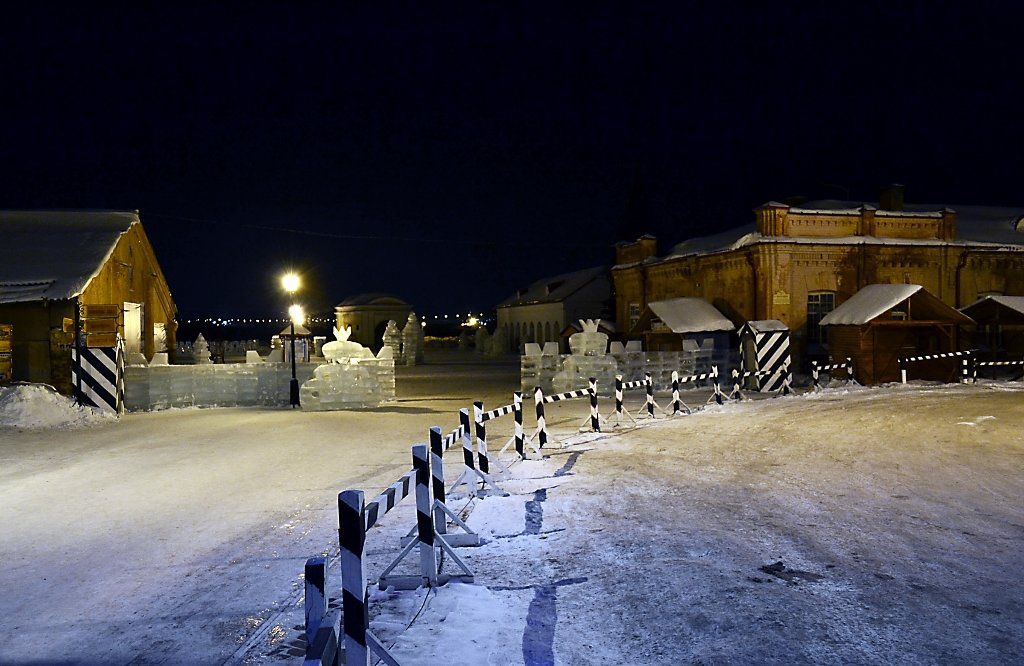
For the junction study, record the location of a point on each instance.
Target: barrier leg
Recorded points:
(424, 519)
(651, 404)
(814, 374)
(542, 430)
(849, 371)
(316, 595)
(903, 370)
(437, 473)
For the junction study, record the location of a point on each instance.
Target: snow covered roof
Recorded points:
(371, 299)
(996, 225)
(875, 300)
(991, 309)
(690, 315)
(555, 289)
(765, 325)
(55, 254)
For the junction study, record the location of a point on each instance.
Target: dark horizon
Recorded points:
(451, 154)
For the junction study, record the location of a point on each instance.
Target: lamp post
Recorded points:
(290, 283)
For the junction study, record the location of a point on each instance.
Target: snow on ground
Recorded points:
(32, 406)
(854, 526)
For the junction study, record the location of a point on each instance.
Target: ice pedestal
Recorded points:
(577, 371)
(353, 384)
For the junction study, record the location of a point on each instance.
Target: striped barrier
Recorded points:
(594, 420)
(738, 377)
(964, 355)
(816, 370)
(355, 519)
(621, 386)
(471, 474)
(678, 405)
(97, 377)
(994, 364)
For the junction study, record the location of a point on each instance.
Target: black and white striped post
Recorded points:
(481, 437)
(619, 409)
(650, 395)
(849, 370)
(424, 519)
(542, 430)
(676, 408)
(736, 393)
(903, 370)
(814, 374)
(467, 440)
(520, 438)
(437, 473)
(354, 600)
(717, 384)
(785, 380)
(595, 417)
(965, 369)
(316, 595)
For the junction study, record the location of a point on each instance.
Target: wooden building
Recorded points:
(56, 265)
(797, 263)
(999, 335)
(883, 322)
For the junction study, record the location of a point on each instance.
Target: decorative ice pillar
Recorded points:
(412, 340)
(393, 340)
(499, 343)
(483, 341)
(201, 351)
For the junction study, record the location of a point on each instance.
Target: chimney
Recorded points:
(891, 197)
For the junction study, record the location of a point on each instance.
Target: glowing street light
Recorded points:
(290, 282)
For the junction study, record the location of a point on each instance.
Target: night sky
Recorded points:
(452, 152)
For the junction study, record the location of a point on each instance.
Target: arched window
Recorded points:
(547, 332)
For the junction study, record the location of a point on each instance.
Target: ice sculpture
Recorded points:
(588, 360)
(351, 379)
(201, 351)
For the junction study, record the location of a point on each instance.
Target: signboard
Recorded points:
(99, 326)
(101, 340)
(95, 311)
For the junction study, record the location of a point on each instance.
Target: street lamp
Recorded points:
(290, 283)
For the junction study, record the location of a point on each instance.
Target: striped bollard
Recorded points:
(467, 439)
(517, 413)
(424, 520)
(355, 610)
(676, 410)
(965, 370)
(903, 370)
(481, 437)
(974, 371)
(316, 595)
(437, 472)
(650, 394)
(595, 418)
(736, 393)
(814, 374)
(718, 385)
(618, 397)
(849, 370)
(542, 430)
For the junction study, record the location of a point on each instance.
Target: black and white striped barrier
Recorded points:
(964, 372)
(651, 402)
(993, 364)
(738, 377)
(816, 371)
(438, 445)
(541, 434)
(97, 377)
(355, 518)
(471, 473)
(519, 438)
(678, 405)
(621, 386)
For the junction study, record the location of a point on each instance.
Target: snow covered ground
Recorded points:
(861, 526)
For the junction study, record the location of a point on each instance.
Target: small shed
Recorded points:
(303, 339)
(665, 325)
(764, 349)
(883, 322)
(1000, 331)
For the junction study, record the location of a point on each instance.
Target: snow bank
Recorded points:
(31, 406)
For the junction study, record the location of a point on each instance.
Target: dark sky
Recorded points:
(451, 152)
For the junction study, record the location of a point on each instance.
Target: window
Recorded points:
(819, 304)
(634, 315)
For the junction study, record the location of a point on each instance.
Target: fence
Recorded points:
(816, 370)
(967, 357)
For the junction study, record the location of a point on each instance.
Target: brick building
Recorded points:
(796, 263)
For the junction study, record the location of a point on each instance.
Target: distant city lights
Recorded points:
(470, 320)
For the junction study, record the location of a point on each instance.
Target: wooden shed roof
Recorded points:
(876, 301)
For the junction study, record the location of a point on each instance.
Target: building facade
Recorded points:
(369, 314)
(541, 311)
(58, 267)
(795, 264)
